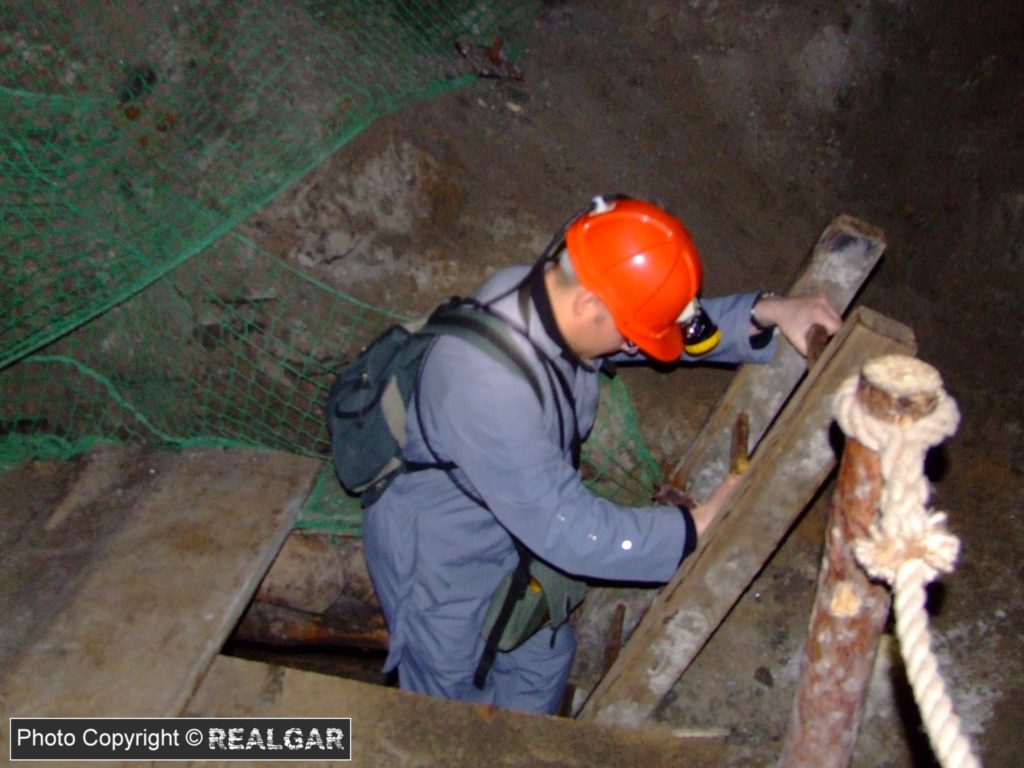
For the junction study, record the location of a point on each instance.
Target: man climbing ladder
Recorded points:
(621, 277)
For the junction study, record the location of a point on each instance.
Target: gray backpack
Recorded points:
(367, 404)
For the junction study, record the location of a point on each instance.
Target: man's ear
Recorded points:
(585, 304)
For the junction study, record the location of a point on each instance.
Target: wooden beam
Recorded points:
(306, 575)
(794, 459)
(841, 261)
(850, 608)
(317, 593)
(346, 624)
(313, 571)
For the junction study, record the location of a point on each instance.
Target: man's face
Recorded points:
(607, 338)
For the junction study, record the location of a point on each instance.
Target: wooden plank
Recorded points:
(842, 260)
(41, 564)
(162, 580)
(794, 459)
(392, 727)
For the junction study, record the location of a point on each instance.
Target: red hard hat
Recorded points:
(641, 262)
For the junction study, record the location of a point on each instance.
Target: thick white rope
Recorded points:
(908, 545)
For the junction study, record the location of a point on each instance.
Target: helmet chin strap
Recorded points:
(550, 253)
(598, 205)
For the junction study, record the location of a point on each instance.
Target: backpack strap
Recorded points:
(491, 332)
(473, 322)
(479, 324)
(526, 287)
(516, 590)
(551, 371)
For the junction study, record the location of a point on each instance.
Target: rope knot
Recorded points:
(883, 552)
(905, 530)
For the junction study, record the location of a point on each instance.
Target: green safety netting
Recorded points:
(133, 139)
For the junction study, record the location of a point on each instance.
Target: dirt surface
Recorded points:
(756, 123)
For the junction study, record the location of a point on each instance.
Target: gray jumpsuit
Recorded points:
(436, 557)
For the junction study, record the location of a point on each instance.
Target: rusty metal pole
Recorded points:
(850, 610)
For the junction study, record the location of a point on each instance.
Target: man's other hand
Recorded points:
(795, 316)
